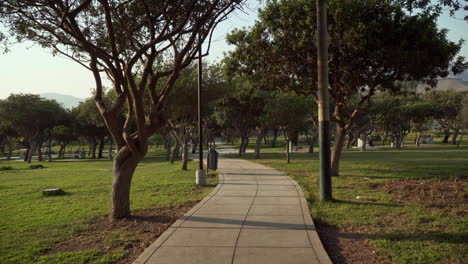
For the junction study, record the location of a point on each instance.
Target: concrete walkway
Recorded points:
(255, 215)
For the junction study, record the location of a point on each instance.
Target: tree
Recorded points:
(63, 134)
(372, 44)
(91, 126)
(30, 115)
(122, 39)
(392, 116)
(240, 111)
(421, 113)
(290, 114)
(451, 117)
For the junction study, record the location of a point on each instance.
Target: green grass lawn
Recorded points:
(404, 232)
(30, 223)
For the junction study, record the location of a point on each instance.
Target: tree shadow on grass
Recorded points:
(366, 203)
(433, 236)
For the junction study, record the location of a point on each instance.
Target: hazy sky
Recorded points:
(30, 69)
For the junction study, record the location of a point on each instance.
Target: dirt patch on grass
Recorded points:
(132, 235)
(347, 246)
(451, 195)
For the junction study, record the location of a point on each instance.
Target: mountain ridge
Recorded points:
(68, 101)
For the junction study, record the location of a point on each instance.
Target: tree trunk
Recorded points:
(274, 139)
(125, 163)
(288, 159)
(364, 143)
(93, 149)
(102, 144)
(337, 148)
(455, 135)
(384, 139)
(312, 143)
(39, 152)
(241, 146)
(26, 155)
(418, 139)
(10, 150)
(398, 141)
(31, 151)
(258, 142)
(461, 137)
(349, 140)
(175, 153)
(185, 151)
(246, 143)
(446, 136)
(168, 150)
(194, 146)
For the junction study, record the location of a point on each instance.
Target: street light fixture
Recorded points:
(200, 174)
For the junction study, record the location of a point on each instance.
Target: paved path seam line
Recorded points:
(243, 222)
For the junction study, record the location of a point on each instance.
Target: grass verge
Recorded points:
(32, 225)
(366, 204)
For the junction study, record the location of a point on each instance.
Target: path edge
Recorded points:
(149, 251)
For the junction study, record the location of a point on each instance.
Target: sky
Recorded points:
(30, 69)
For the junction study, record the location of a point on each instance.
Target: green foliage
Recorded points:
(365, 38)
(30, 114)
(289, 112)
(451, 107)
(31, 223)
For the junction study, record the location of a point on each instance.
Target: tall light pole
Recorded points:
(200, 174)
(324, 111)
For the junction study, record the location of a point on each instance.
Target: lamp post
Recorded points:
(324, 111)
(200, 174)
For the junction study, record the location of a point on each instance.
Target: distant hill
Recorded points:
(456, 84)
(68, 101)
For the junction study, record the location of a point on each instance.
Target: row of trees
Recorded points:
(143, 46)
(373, 45)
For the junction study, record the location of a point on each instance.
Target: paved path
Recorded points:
(255, 215)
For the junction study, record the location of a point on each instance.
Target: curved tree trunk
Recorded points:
(418, 139)
(258, 142)
(349, 141)
(455, 135)
(26, 154)
(337, 148)
(461, 137)
(175, 152)
(446, 136)
(125, 163)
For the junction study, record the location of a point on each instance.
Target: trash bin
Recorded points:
(212, 159)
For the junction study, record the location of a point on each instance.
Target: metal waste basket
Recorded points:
(212, 159)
